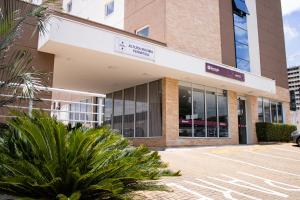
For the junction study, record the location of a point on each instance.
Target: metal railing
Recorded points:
(67, 106)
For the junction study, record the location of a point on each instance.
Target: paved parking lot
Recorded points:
(233, 172)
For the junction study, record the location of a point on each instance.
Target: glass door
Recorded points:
(242, 121)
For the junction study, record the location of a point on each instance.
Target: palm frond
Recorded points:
(75, 164)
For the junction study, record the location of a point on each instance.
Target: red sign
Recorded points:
(221, 71)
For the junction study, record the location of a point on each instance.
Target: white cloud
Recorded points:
(290, 32)
(290, 6)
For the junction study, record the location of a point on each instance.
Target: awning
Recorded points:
(241, 6)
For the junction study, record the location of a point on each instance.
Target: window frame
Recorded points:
(148, 135)
(207, 89)
(270, 102)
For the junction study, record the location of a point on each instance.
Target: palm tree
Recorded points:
(18, 77)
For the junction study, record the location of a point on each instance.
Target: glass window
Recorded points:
(274, 112)
(141, 111)
(241, 35)
(267, 110)
(118, 111)
(241, 42)
(129, 110)
(199, 113)
(69, 6)
(223, 114)
(280, 113)
(185, 111)
(240, 6)
(109, 8)
(260, 110)
(211, 106)
(144, 31)
(108, 109)
(155, 109)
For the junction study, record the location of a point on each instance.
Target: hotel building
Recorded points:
(179, 73)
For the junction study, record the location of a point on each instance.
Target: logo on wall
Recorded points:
(133, 48)
(221, 71)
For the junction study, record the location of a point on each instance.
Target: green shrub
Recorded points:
(41, 159)
(267, 132)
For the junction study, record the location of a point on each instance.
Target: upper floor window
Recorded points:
(240, 12)
(69, 6)
(145, 31)
(109, 8)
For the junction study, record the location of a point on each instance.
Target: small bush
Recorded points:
(267, 132)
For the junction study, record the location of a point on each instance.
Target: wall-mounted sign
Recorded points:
(221, 71)
(134, 48)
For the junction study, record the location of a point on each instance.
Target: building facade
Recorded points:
(294, 83)
(181, 73)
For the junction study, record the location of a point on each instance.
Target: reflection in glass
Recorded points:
(274, 112)
(267, 110)
(223, 114)
(108, 109)
(211, 104)
(241, 42)
(118, 111)
(199, 113)
(141, 111)
(155, 109)
(185, 111)
(280, 113)
(129, 109)
(260, 110)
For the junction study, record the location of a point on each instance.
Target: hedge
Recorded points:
(268, 132)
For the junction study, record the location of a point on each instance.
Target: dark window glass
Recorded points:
(280, 113)
(199, 113)
(267, 110)
(129, 110)
(211, 104)
(141, 111)
(69, 6)
(260, 110)
(118, 111)
(155, 113)
(185, 111)
(223, 114)
(108, 108)
(274, 112)
(144, 32)
(109, 8)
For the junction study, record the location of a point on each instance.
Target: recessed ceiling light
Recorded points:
(112, 67)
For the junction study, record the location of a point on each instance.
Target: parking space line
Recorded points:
(286, 150)
(247, 185)
(225, 191)
(251, 164)
(292, 188)
(272, 156)
(202, 197)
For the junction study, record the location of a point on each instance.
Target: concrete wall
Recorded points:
(94, 10)
(139, 13)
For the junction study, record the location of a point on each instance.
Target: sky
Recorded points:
(291, 20)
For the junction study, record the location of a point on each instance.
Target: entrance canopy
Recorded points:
(95, 58)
